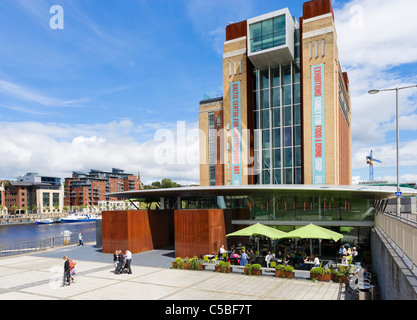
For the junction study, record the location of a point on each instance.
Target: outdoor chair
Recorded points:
(224, 256)
(272, 264)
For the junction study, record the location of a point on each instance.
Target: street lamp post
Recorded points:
(375, 91)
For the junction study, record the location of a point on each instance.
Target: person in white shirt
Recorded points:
(128, 259)
(268, 258)
(316, 262)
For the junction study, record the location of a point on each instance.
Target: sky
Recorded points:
(120, 78)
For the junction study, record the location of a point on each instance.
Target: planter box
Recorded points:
(246, 271)
(187, 266)
(321, 277)
(201, 267)
(256, 272)
(289, 274)
(219, 269)
(279, 273)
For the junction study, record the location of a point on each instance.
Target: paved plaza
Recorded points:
(38, 276)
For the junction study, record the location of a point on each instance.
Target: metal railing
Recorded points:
(42, 245)
(402, 232)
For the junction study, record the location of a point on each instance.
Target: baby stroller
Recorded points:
(121, 268)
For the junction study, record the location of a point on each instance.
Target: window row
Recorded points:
(266, 118)
(276, 77)
(267, 34)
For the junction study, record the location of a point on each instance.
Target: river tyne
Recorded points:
(31, 232)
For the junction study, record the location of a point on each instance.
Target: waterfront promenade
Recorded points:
(38, 276)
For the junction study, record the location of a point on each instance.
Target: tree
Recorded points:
(163, 184)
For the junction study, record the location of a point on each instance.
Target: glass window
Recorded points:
(287, 137)
(286, 95)
(256, 30)
(297, 157)
(277, 158)
(279, 24)
(287, 121)
(286, 74)
(288, 176)
(279, 39)
(277, 176)
(297, 93)
(297, 176)
(276, 78)
(267, 27)
(287, 157)
(297, 114)
(266, 177)
(276, 136)
(265, 99)
(265, 139)
(265, 119)
(297, 135)
(266, 159)
(276, 117)
(256, 44)
(276, 97)
(268, 41)
(296, 74)
(265, 79)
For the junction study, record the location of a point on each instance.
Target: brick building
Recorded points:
(88, 189)
(285, 115)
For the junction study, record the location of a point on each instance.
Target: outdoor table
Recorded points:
(210, 256)
(309, 264)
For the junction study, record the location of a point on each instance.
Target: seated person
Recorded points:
(316, 261)
(234, 257)
(252, 257)
(268, 258)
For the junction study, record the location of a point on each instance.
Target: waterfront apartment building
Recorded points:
(285, 115)
(32, 193)
(88, 189)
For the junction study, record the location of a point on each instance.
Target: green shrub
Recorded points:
(317, 270)
(279, 267)
(256, 266)
(289, 268)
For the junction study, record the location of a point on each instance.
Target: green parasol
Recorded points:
(312, 231)
(259, 230)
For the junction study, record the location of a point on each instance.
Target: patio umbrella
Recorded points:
(259, 230)
(312, 231)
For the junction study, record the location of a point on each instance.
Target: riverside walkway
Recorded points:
(38, 276)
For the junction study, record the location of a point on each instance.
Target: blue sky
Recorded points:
(93, 94)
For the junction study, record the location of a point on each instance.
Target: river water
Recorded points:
(32, 232)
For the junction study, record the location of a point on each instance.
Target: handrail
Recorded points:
(22, 247)
(402, 232)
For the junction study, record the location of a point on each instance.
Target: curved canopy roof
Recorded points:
(355, 191)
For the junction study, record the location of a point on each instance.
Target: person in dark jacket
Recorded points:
(67, 278)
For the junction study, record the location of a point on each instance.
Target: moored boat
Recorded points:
(44, 221)
(79, 218)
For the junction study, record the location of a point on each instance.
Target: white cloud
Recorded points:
(375, 47)
(57, 150)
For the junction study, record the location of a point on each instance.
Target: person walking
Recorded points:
(128, 258)
(72, 270)
(80, 239)
(116, 258)
(67, 278)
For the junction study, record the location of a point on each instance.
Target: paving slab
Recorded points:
(39, 276)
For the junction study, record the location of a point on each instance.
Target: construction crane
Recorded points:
(370, 160)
